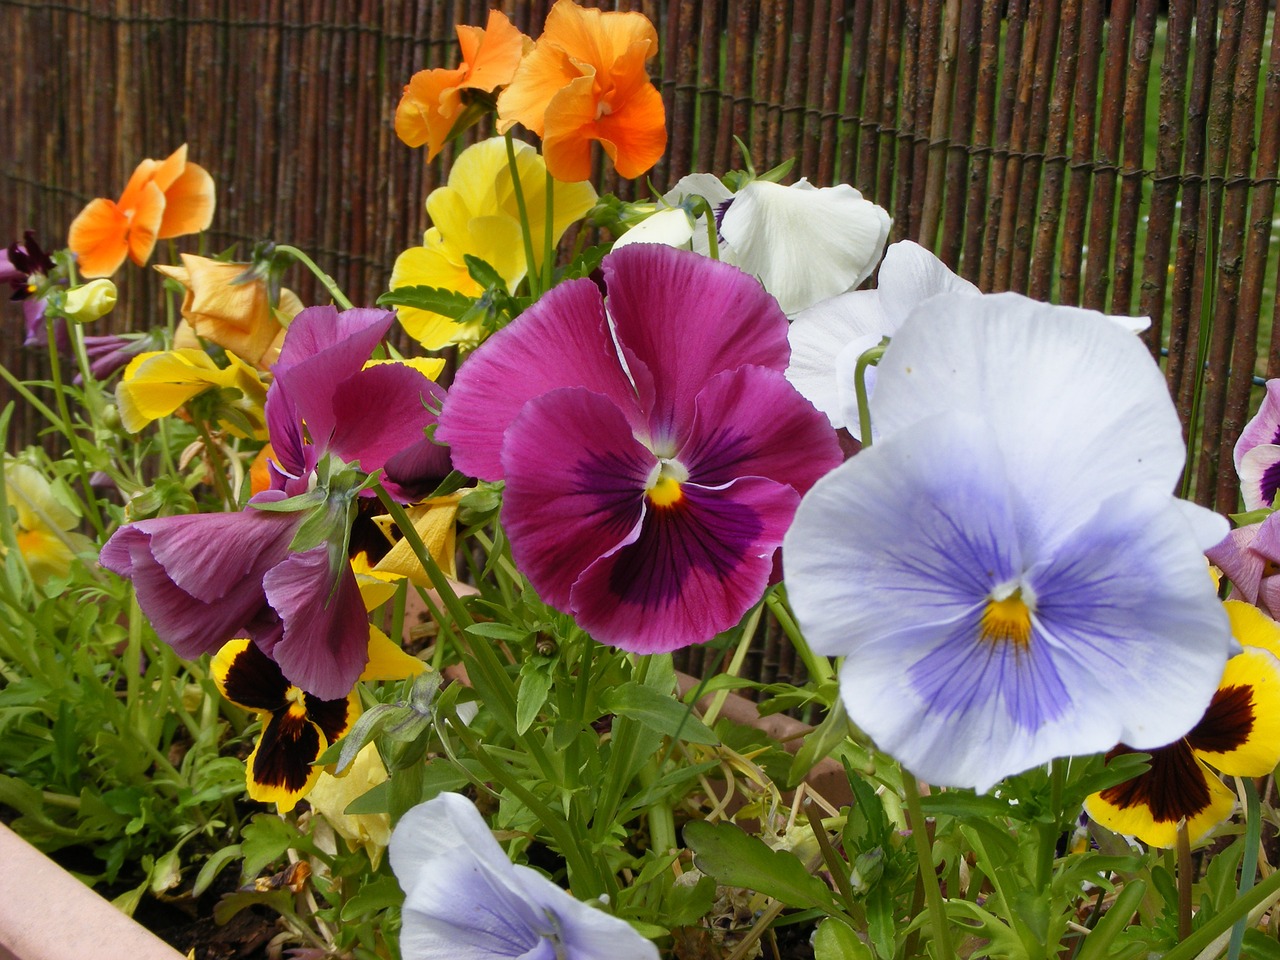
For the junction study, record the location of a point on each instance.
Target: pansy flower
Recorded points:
(296, 726)
(476, 214)
(1238, 735)
(652, 449)
(1257, 453)
(205, 578)
(434, 100)
(22, 261)
(464, 900)
(1005, 570)
(225, 306)
(1249, 556)
(44, 526)
(163, 199)
(585, 81)
(156, 384)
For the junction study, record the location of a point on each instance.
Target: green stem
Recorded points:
(621, 761)
(216, 466)
(329, 283)
(1185, 881)
(1223, 921)
(549, 232)
(928, 875)
(518, 189)
(739, 655)
(1249, 865)
(73, 436)
(860, 390)
(581, 869)
(819, 667)
(713, 237)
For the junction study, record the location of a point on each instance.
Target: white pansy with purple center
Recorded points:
(1005, 570)
(464, 900)
(1257, 453)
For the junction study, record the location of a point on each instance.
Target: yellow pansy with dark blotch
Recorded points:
(296, 726)
(1239, 735)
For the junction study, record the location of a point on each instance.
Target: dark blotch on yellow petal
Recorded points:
(331, 716)
(290, 743)
(248, 677)
(1174, 787)
(1228, 722)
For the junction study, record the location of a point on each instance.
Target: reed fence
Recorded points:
(1119, 155)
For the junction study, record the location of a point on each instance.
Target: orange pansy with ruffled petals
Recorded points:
(163, 199)
(586, 81)
(432, 101)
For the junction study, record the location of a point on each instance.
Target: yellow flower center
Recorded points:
(297, 704)
(665, 492)
(1007, 620)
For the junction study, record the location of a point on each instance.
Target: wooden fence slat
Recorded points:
(1016, 24)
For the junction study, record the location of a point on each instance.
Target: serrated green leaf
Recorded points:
(483, 273)
(448, 303)
(738, 859)
(499, 631)
(819, 743)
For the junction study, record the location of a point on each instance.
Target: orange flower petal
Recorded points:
(147, 215)
(429, 107)
(596, 38)
(170, 168)
(635, 136)
(189, 201)
(99, 238)
(143, 174)
(491, 55)
(544, 73)
(570, 128)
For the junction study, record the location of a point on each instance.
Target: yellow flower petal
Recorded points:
(436, 523)
(387, 661)
(1240, 732)
(1201, 798)
(331, 796)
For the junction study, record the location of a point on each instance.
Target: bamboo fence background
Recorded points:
(1010, 136)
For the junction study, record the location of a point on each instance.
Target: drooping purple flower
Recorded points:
(112, 352)
(1005, 571)
(652, 449)
(204, 579)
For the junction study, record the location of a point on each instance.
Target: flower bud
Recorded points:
(89, 301)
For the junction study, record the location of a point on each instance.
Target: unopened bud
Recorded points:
(89, 301)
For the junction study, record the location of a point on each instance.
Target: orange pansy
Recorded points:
(432, 102)
(585, 80)
(163, 199)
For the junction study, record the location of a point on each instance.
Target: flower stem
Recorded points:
(1249, 865)
(860, 390)
(924, 861)
(549, 232)
(819, 668)
(73, 436)
(517, 188)
(1185, 880)
(581, 869)
(330, 284)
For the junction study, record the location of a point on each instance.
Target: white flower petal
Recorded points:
(710, 188)
(909, 275)
(1078, 405)
(817, 337)
(805, 244)
(670, 227)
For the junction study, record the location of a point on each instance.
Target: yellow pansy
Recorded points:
(43, 526)
(476, 214)
(331, 796)
(156, 384)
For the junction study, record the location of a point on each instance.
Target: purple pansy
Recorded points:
(204, 579)
(23, 260)
(1250, 558)
(652, 449)
(1257, 453)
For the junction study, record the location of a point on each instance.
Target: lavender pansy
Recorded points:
(464, 900)
(1250, 558)
(652, 450)
(1005, 571)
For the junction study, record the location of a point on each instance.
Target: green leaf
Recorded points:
(375, 800)
(378, 895)
(535, 684)
(212, 867)
(499, 631)
(484, 274)
(657, 711)
(819, 743)
(448, 303)
(265, 839)
(738, 859)
(834, 940)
